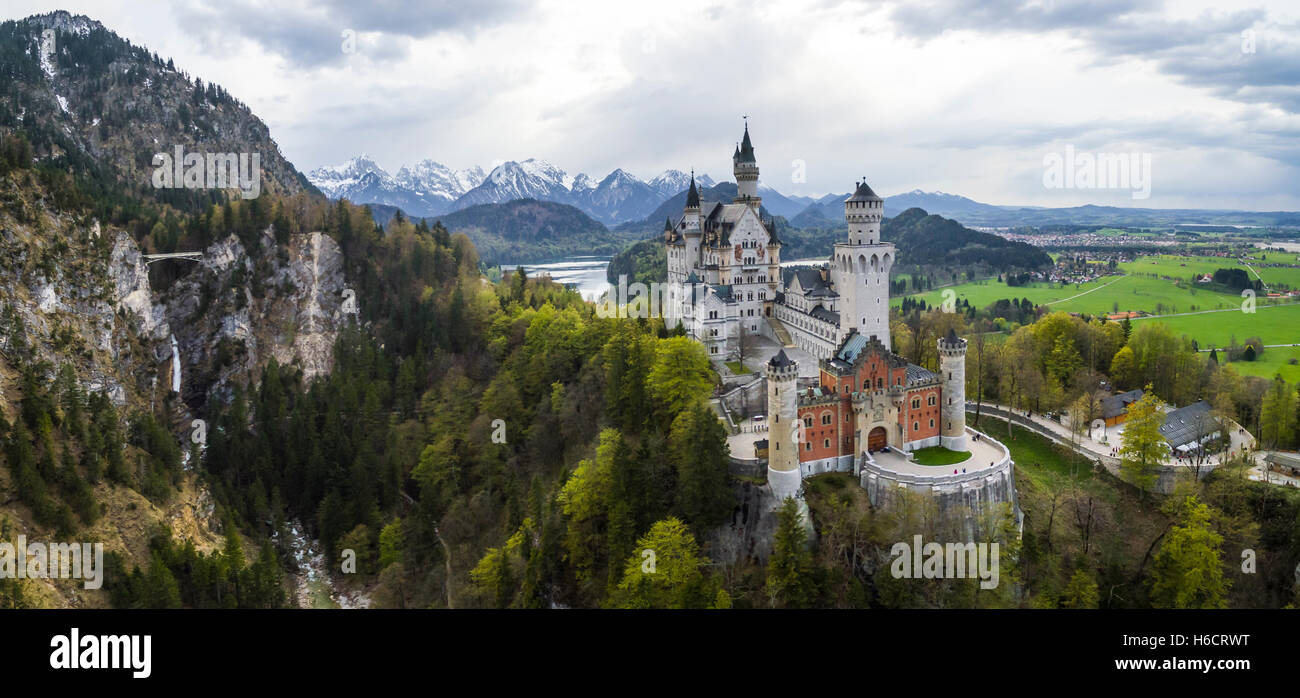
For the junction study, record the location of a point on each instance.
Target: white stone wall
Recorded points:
(862, 281)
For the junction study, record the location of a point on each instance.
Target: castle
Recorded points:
(734, 256)
(869, 408)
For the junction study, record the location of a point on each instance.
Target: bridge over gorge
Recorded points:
(192, 256)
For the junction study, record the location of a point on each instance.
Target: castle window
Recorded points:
(807, 421)
(916, 426)
(807, 447)
(931, 423)
(826, 443)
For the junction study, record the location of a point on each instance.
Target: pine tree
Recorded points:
(790, 582)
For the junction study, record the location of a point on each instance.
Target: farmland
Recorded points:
(1162, 285)
(1103, 296)
(1183, 267)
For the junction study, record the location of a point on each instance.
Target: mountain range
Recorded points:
(432, 189)
(621, 199)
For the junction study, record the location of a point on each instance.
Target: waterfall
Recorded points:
(176, 366)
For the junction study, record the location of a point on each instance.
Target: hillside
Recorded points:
(96, 106)
(524, 230)
(107, 359)
(927, 239)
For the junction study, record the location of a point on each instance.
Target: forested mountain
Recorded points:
(349, 380)
(95, 106)
(524, 230)
(927, 239)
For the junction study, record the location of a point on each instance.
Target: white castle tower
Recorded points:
(745, 167)
(783, 427)
(862, 267)
(952, 369)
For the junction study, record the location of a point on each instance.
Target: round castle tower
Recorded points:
(952, 367)
(783, 474)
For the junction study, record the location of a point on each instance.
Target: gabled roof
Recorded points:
(811, 281)
(917, 374)
(1115, 405)
(1187, 425)
(723, 291)
(825, 315)
(853, 345)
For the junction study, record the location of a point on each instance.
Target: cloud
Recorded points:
(1240, 55)
(317, 34)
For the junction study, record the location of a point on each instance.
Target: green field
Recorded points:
(1103, 296)
(1272, 324)
(1183, 267)
(1181, 302)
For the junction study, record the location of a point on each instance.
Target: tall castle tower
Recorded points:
(692, 220)
(952, 369)
(745, 168)
(862, 267)
(783, 427)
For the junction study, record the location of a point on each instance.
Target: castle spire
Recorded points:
(693, 195)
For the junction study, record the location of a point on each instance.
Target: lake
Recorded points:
(584, 274)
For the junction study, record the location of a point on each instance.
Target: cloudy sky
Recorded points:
(961, 96)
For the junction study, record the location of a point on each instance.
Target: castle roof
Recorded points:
(852, 346)
(825, 315)
(780, 360)
(693, 194)
(863, 193)
(855, 345)
(918, 374)
(813, 285)
(745, 153)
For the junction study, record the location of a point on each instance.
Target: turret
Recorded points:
(745, 168)
(783, 427)
(863, 211)
(952, 370)
(862, 265)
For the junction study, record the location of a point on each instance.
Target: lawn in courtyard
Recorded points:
(938, 455)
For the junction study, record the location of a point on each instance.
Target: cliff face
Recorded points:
(227, 327)
(78, 294)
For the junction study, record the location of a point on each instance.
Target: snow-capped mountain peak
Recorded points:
(671, 182)
(336, 181)
(582, 183)
(435, 179)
